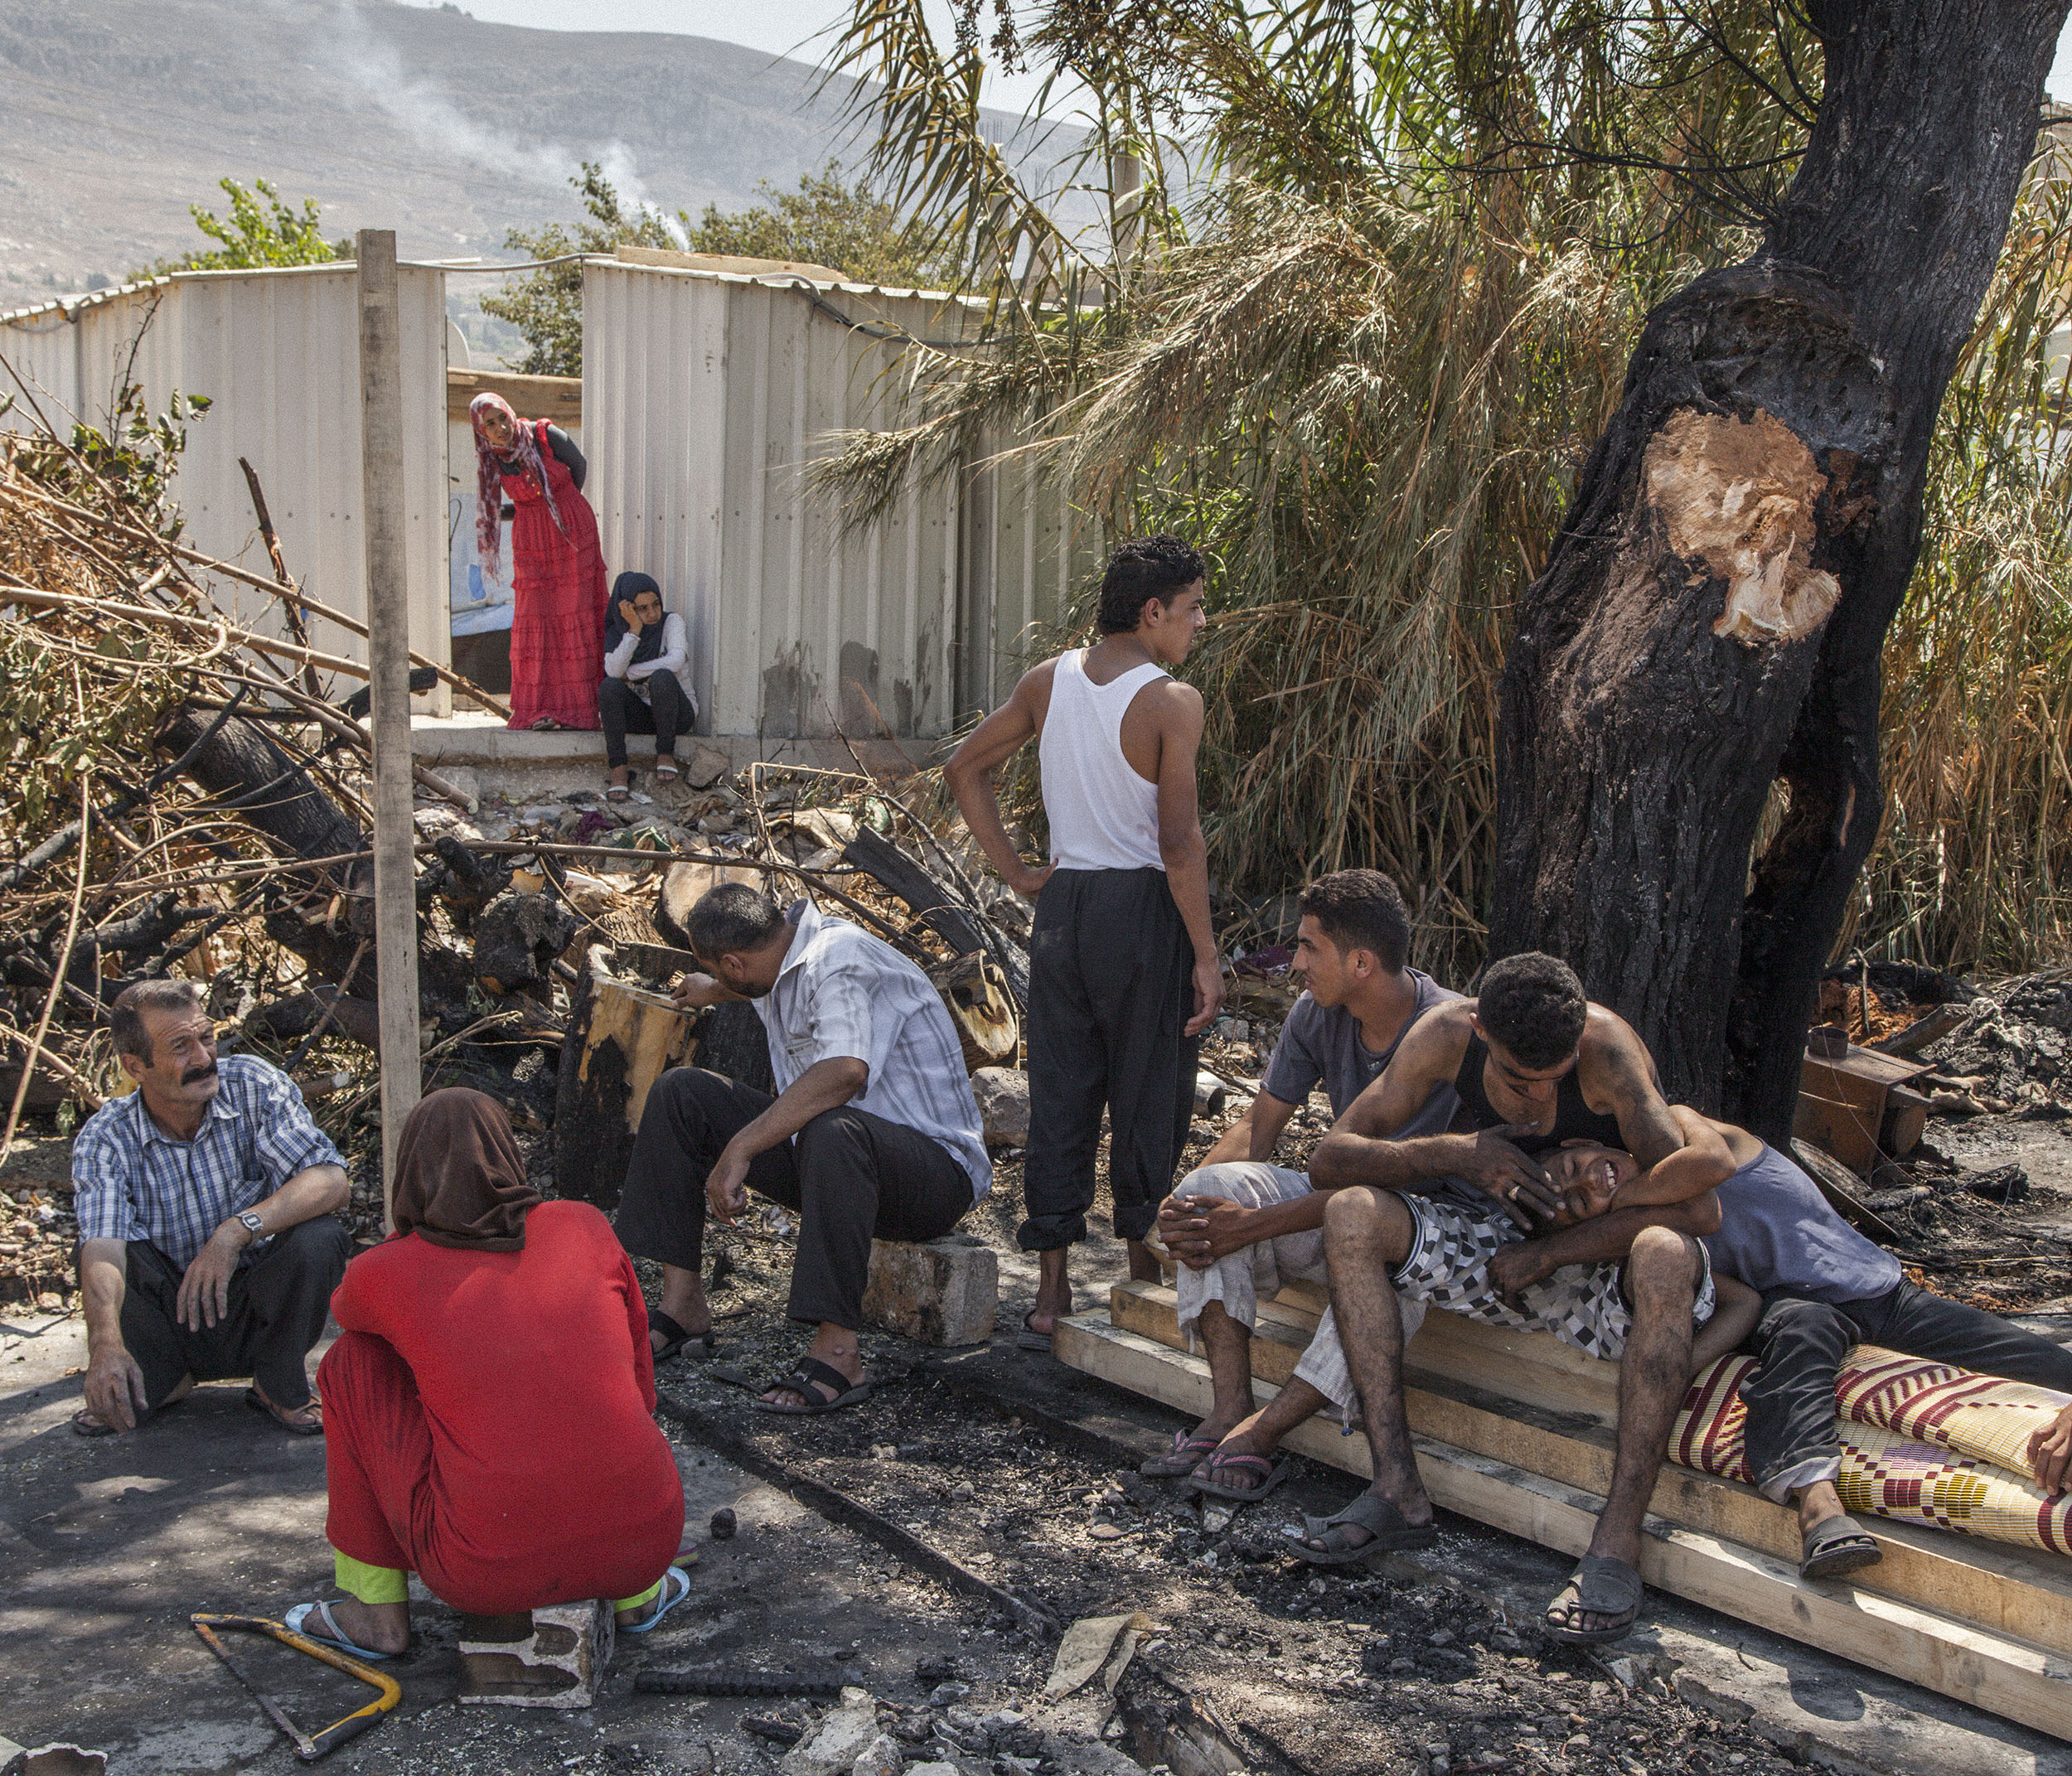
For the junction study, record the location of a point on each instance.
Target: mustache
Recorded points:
(196, 1073)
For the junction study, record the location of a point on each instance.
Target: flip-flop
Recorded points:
(1836, 1545)
(1179, 1461)
(85, 1425)
(1603, 1587)
(616, 792)
(1389, 1532)
(260, 1403)
(1029, 1338)
(675, 1588)
(675, 1338)
(810, 1370)
(297, 1622)
(1203, 1479)
(666, 773)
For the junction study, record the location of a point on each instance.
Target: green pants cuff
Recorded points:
(372, 1585)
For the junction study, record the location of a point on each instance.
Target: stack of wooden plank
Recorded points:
(1518, 1431)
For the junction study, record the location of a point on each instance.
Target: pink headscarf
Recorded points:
(489, 484)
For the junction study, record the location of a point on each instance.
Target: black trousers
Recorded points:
(277, 1307)
(851, 1177)
(1111, 987)
(624, 711)
(1803, 1344)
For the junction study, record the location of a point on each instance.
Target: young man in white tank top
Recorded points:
(1123, 970)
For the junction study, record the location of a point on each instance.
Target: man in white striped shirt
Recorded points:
(873, 1133)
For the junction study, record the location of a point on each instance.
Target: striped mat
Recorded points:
(1921, 1441)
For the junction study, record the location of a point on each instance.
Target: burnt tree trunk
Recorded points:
(1712, 613)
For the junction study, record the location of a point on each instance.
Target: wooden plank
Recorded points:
(2001, 1673)
(1922, 1031)
(1560, 1430)
(557, 398)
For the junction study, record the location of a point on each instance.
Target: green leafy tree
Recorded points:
(847, 227)
(547, 307)
(260, 230)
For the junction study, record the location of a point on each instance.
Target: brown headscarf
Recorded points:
(460, 1178)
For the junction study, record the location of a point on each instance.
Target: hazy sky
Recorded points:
(788, 26)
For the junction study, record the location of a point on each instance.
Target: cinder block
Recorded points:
(552, 1658)
(946, 1292)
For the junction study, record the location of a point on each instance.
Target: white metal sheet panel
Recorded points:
(278, 354)
(705, 397)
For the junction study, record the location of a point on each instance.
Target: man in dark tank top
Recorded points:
(1437, 1218)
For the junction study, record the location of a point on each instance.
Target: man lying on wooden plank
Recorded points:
(1242, 1226)
(1534, 1064)
(1825, 1289)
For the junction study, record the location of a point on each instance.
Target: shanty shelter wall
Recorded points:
(706, 395)
(278, 354)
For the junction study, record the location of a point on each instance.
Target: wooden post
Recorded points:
(389, 658)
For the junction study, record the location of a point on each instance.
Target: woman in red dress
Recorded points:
(488, 1411)
(557, 569)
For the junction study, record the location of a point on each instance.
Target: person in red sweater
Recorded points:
(489, 1408)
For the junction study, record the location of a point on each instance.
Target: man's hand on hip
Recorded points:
(204, 1291)
(115, 1387)
(727, 1186)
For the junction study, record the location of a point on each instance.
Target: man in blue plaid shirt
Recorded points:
(208, 1244)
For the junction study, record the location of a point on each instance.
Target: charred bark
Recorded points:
(1713, 610)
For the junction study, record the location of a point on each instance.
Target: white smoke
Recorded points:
(420, 105)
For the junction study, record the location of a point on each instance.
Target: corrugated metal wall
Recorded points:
(277, 353)
(705, 395)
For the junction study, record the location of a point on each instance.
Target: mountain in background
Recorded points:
(120, 115)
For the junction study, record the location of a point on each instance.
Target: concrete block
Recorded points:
(1003, 1096)
(834, 1746)
(554, 1657)
(946, 1292)
(705, 767)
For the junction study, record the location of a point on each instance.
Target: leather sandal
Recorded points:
(810, 1375)
(1836, 1545)
(1600, 1587)
(675, 1338)
(1389, 1532)
(1180, 1460)
(1209, 1479)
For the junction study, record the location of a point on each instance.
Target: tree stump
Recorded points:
(622, 1037)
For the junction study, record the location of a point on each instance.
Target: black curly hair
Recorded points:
(1152, 567)
(1533, 1004)
(1361, 909)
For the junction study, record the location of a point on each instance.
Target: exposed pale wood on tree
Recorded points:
(1644, 710)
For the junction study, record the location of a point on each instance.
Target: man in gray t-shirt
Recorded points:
(1240, 1227)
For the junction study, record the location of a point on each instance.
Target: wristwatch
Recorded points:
(253, 1225)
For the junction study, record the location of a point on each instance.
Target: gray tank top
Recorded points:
(1776, 1231)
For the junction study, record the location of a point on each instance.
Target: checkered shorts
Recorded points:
(1584, 1306)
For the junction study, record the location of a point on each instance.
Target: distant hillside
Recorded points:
(118, 115)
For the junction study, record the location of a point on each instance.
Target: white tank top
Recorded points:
(1102, 815)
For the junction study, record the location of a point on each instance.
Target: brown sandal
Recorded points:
(308, 1427)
